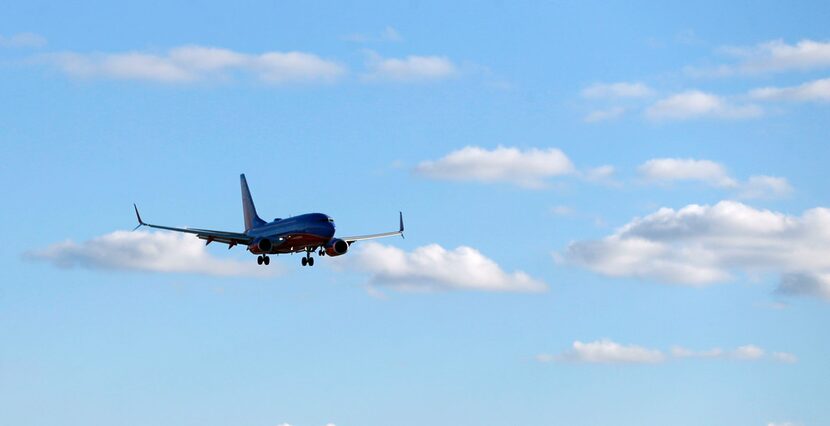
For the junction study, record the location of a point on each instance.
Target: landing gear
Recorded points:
(308, 260)
(259, 260)
(263, 259)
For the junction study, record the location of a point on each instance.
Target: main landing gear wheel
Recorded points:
(259, 260)
(304, 261)
(267, 260)
(310, 261)
(263, 259)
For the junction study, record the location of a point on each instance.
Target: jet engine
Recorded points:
(336, 247)
(262, 245)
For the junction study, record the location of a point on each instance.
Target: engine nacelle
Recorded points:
(262, 245)
(337, 247)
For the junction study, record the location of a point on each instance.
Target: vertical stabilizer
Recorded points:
(248, 209)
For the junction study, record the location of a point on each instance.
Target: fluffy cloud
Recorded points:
(23, 40)
(145, 251)
(817, 90)
(604, 114)
(665, 170)
(617, 90)
(409, 69)
(697, 104)
(699, 245)
(195, 63)
(524, 168)
(432, 268)
(609, 352)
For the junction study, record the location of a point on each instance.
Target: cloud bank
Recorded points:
(434, 268)
(699, 245)
(527, 168)
(142, 251)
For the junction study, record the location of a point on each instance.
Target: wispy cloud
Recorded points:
(145, 251)
(21, 40)
(528, 168)
(699, 245)
(771, 57)
(411, 68)
(197, 63)
(697, 104)
(389, 34)
(606, 351)
(667, 170)
(434, 268)
(607, 114)
(617, 90)
(812, 91)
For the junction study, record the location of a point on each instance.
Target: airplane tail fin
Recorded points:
(248, 209)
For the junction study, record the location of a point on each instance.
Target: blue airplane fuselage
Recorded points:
(292, 234)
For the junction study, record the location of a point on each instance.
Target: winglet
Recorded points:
(138, 216)
(401, 230)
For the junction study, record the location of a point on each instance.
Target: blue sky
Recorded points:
(616, 213)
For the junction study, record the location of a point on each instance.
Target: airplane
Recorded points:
(304, 233)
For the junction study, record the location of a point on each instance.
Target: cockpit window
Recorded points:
(331, 220)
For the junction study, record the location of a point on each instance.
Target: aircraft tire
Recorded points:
(304, 261)
(310, 261)
(266, 260)
(259, 260)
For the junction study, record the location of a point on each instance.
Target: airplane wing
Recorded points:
(374, 236)
(229, 238)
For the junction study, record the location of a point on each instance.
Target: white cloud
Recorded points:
(748, 352)
(23, 40)
(782, 424)
(778, 56)
(606, 351)
(145, 251)
(600, 173)
(680, 169)
(527, 168)
(409, 69)
(617, 90)
(699, 245)
(785, 357)
(433, 268)
(765, 187)
(817, 90)
(197, 63)
(666, 170)
(604, 115)
(697, 104)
